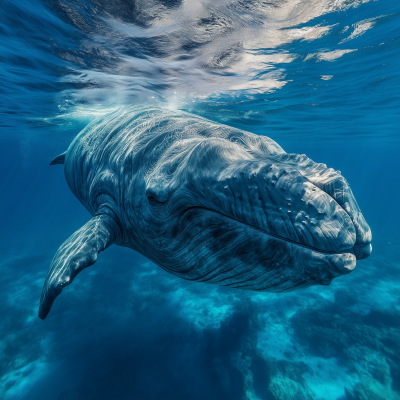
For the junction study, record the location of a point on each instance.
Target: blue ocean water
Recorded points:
(319, 77)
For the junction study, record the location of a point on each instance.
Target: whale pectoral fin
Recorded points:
(59, 159)
(78, 252)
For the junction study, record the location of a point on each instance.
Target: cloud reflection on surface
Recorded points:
(196, 48)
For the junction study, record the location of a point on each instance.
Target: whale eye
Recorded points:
(157, 193)
(153, 201)
(154, 198)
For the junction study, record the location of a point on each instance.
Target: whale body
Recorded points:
(208, 203)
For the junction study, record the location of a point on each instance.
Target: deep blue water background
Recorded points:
(321, 78)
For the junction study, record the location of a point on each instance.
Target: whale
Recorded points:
(206, 202)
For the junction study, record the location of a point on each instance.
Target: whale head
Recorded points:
(236, 214)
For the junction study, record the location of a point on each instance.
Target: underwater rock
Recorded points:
(367, 345)
(284, 388)
(206, 202)
(367, 390)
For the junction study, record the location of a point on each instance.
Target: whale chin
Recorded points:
(207, 246)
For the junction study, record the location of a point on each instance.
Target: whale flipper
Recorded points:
(78, 252)
(59, 159)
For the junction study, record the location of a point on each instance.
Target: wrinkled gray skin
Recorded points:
(208, 203)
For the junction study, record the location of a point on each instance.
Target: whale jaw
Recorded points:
(216, 249)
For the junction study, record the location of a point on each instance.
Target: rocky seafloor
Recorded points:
(128, 330)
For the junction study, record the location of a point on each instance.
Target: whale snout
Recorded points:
(278, 199)
(362, 252)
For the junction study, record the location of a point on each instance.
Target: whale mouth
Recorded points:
(360, 252)
(282, 238)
